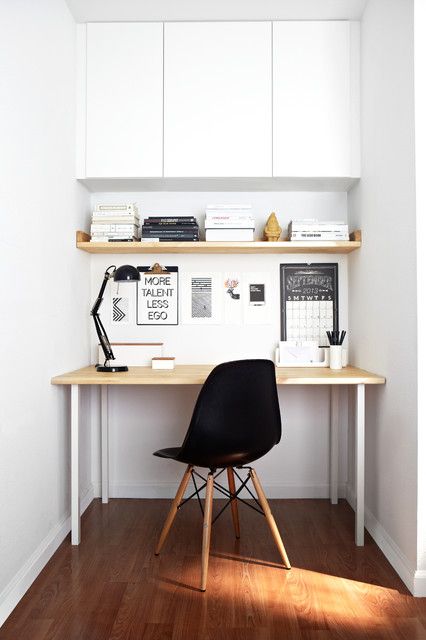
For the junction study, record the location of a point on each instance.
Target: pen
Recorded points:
(336, 337)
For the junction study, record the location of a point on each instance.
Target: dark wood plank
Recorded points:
(112, 587)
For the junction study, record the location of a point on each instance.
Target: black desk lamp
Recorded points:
(126, 273)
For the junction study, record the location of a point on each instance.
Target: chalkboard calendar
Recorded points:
(309, 301)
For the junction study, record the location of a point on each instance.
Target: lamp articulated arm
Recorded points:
(100, 330)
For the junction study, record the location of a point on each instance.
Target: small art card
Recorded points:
(120, 309)
(232, 298)
(257, 298)
(201, 298)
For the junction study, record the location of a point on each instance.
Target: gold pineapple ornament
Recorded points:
(272, 230)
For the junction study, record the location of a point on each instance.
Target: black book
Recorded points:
(170, 218)
(168, 234)
(179, 239)
(170, 239)
(171, 227)
(176, 220)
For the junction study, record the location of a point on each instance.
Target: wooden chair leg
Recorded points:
(234, 502)
(207, 526)
(269, 518)
(173, 509)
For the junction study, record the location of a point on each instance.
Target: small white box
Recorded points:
(133, 354)
(163, 363)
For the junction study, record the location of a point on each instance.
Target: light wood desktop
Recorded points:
(197, 374)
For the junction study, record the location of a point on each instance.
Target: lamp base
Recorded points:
(104, 369)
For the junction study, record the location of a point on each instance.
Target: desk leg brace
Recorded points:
(75, 489)
(360, 464)
(334, 443)
(104, 445)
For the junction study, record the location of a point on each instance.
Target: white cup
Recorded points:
(335, 356)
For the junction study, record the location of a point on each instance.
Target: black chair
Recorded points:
(236, 420)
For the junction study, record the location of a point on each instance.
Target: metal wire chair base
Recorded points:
(224, 490)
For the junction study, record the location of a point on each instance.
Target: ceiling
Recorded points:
(181, 10)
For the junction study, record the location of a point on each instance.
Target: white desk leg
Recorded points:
(334, 443)
(360, 460)
(104, 444)
(75, 489)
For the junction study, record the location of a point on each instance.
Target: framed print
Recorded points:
(157, 297)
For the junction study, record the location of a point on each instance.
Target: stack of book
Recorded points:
(170, 229)
(229, 222)
(115, 223)
(317, 230)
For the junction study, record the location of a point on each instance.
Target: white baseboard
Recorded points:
(420, 584)
(167, 490)
(21, 582)
(393, 553)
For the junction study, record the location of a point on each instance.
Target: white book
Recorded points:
(115, 219)
(310, 221)
(107, 239)
(113, 234)
(229, 223)
(114, 214)
(228, 216)
(228, 206)
(107, 228)
(245, 224)
(308, 224)
(340, 231)
(319, 236)
(122, 208)
(230, 235)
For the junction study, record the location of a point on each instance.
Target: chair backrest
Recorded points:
(237, 411)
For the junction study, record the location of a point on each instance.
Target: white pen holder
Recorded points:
(336, 356)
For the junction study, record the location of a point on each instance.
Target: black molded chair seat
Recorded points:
(218, 461)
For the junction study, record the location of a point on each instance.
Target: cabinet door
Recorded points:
(217, 99)
(312, 99)
(124, 135)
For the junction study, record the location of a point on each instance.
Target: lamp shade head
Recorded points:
(126, 273)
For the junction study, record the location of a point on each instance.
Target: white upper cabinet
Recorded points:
(217, 99)
(274, 101)
(124, 100)
(315, 104)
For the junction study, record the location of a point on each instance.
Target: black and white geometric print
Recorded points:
(120, 309)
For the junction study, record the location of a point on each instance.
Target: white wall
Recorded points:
(145, 419)
(382, 281)
(420, 141)
(44, 310)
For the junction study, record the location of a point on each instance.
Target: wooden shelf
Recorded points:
(331, 246)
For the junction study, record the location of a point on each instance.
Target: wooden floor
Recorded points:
(113, 587)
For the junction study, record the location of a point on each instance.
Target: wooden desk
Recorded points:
(197, 374)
